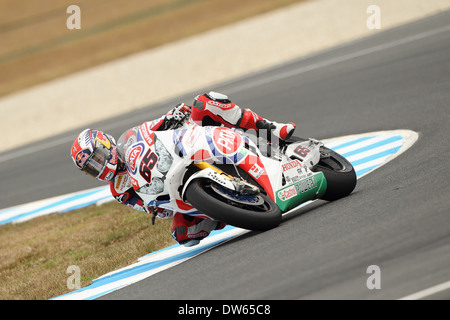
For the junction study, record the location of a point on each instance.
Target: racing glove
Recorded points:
(159, 213)
(176, 116)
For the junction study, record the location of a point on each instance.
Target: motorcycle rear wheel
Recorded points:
(338, 171)
(218, 203)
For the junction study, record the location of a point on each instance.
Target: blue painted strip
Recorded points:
(156, 264)
(145, 267)
(347, 144)
(214, 232)
(95, 296)
(375, 156)
(72, 198)
(362, 171)
(85, 288)
(84, 204)
(372, 146)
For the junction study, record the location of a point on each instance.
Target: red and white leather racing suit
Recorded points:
(208, 109)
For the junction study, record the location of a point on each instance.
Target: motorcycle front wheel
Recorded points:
(252, 212)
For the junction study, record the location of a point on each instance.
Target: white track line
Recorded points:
(428, 292)
(343, 58)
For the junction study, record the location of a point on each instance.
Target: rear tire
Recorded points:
(204, 198)
(339, 173)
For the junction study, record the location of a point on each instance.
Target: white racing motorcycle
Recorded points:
(226, 175)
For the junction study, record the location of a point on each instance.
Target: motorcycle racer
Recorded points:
(97, 154)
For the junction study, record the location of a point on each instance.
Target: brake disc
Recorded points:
(253, 200)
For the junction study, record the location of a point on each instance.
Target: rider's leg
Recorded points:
(214, 108)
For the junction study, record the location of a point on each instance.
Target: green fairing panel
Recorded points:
(310, 188)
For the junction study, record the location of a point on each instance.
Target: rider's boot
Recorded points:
(188, 230)
(251, 120)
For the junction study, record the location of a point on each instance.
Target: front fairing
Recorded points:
(156, 168)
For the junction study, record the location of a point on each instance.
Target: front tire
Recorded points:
(205, 196)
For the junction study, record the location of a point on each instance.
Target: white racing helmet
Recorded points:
(95, 153)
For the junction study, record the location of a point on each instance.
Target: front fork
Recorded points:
(213, 173)
(202, 165)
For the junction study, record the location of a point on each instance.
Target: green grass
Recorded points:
(35, 255)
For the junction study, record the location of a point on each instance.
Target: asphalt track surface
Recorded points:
(397, 218)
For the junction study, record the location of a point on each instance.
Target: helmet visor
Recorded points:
(96, 163)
